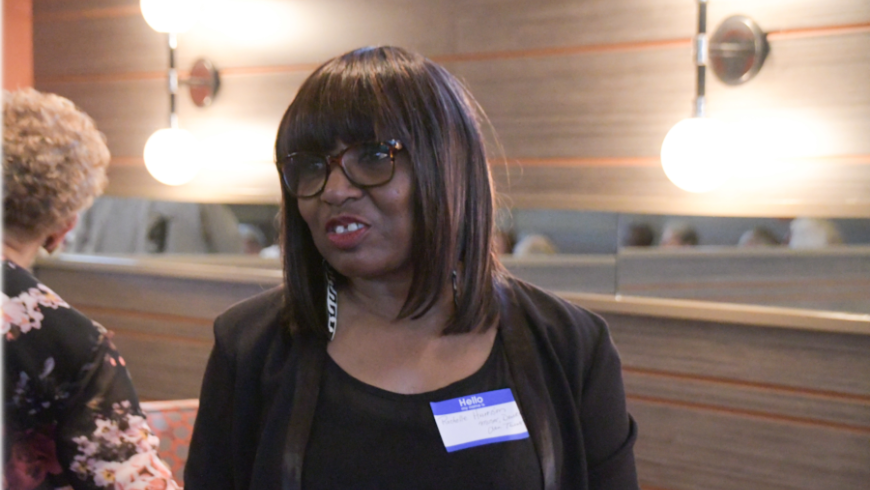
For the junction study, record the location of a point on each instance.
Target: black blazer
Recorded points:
(253, 423)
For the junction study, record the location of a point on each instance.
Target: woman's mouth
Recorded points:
(345, 233)
(350, 228)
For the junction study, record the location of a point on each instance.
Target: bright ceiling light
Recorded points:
(173, 16)
(171, 156)
(695, 154)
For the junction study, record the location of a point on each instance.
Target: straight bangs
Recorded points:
(341, 102)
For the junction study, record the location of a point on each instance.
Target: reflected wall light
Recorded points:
(172, 154)
(698, 153)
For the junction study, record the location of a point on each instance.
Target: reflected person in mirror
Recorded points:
(679, 234)
(399, 353)
(71, 418)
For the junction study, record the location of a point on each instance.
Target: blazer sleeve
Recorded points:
(210, 459)
(609, 432)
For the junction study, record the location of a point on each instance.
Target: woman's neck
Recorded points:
(378, 303)
(23, 253)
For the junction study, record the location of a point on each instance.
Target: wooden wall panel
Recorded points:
(66, 7)
(585, 86)
(257, 33)
(161, 368)
(589, 105)
(499, 25)
(127, 112)
(97, 46)
(686, 449)
(723, 406)
(189, 298)
(776, 15)
(846, 412)
(519, 25)
(836, 189)
(786, 358)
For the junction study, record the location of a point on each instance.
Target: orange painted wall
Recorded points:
(17, 44)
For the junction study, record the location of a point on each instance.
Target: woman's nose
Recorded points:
(339, 188)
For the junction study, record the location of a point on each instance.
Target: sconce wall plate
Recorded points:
(737, 50)
(203, 82)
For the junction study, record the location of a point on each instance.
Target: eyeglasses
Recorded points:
(365, 165)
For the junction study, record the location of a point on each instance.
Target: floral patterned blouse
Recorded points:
(71, 415)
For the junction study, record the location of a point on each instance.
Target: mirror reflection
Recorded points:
(801, 262)
(812, 263)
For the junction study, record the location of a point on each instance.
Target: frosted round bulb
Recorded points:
(171, 156)
(695, 154)
(171, 15)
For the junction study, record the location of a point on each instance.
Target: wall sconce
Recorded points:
(171, 154)
(697, 153)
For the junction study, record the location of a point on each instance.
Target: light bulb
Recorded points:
(695, 154)
(171, 15)
(171, 156)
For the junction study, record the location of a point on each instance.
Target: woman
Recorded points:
(398, 353)
(71, 416)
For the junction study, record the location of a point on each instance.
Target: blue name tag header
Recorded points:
(471, 402)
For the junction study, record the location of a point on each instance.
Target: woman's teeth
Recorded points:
(350, 228)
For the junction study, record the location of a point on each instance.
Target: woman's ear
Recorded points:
(53, 240)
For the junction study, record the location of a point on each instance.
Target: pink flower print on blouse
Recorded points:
(12, 313)
(22, 313)
(121, 453)
(49, 298)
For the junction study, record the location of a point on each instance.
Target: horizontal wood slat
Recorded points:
(809, 360)
(163, 370)
(685, 448)
(836, 412)
(188, 298)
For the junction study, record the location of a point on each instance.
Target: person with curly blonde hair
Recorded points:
(54, 164)
(71, 416)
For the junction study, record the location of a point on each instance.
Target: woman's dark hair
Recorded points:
(389, 93)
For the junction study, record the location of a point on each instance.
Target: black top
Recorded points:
(363, 437)
(71, 417)
(565, 364)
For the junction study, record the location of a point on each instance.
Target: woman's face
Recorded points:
(364, 233)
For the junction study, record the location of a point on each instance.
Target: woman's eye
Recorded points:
(373, 155)
(312, 164)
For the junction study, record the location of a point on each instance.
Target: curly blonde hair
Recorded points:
(54, 162)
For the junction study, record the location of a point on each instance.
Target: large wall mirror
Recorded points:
(812, 263)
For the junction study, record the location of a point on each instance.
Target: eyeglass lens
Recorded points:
(365, 165)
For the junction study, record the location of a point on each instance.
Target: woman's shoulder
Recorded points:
(569, 328)
(547, 308)
(35, 315)
(252, 319)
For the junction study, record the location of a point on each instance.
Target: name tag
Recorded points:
(475, 420)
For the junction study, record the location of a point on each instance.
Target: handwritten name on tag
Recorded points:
(475, 420)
